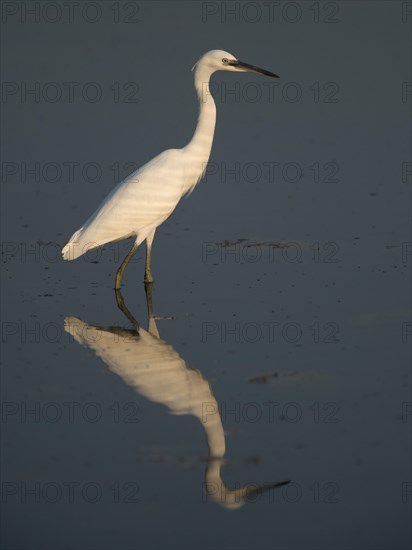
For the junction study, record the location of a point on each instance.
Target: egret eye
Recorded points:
(224, 60)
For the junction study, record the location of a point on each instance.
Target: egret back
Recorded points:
(136, 206)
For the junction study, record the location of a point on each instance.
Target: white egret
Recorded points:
(147, 197)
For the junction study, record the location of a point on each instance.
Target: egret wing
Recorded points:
(139, 203)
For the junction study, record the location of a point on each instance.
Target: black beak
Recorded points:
(263, 488)
(252, 68)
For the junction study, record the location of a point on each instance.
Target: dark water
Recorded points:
(281, 285)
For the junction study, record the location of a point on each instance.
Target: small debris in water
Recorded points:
(264, 378)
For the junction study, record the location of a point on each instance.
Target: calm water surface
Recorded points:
(264, 401)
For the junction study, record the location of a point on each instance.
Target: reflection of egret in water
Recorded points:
(157, 372)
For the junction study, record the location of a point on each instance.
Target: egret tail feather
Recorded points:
(77, 246)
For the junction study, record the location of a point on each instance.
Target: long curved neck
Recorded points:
(200, 145)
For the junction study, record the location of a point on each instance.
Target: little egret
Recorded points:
(147, 197)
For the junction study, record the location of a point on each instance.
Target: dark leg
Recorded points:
(148, 277)
(148, 289)
(119, 274)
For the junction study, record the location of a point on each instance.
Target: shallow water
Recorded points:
(282, 307)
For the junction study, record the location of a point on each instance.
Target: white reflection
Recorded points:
(156, 371)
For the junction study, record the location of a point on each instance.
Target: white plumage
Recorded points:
(146, 198)
(121, 214)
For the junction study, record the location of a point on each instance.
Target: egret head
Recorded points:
(219, 60)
